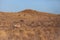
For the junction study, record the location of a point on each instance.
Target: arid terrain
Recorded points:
(29, 25)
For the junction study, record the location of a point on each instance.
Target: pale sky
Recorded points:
(51, 6)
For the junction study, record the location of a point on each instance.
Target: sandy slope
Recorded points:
(29, 25)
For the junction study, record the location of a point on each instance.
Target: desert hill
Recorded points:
(29, 25)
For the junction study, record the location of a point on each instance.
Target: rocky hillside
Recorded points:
(29, 25)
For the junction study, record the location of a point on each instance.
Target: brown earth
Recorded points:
(29, 25)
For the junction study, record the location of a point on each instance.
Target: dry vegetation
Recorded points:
(29, 25)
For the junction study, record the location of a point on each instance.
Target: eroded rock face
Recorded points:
(29, 25)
